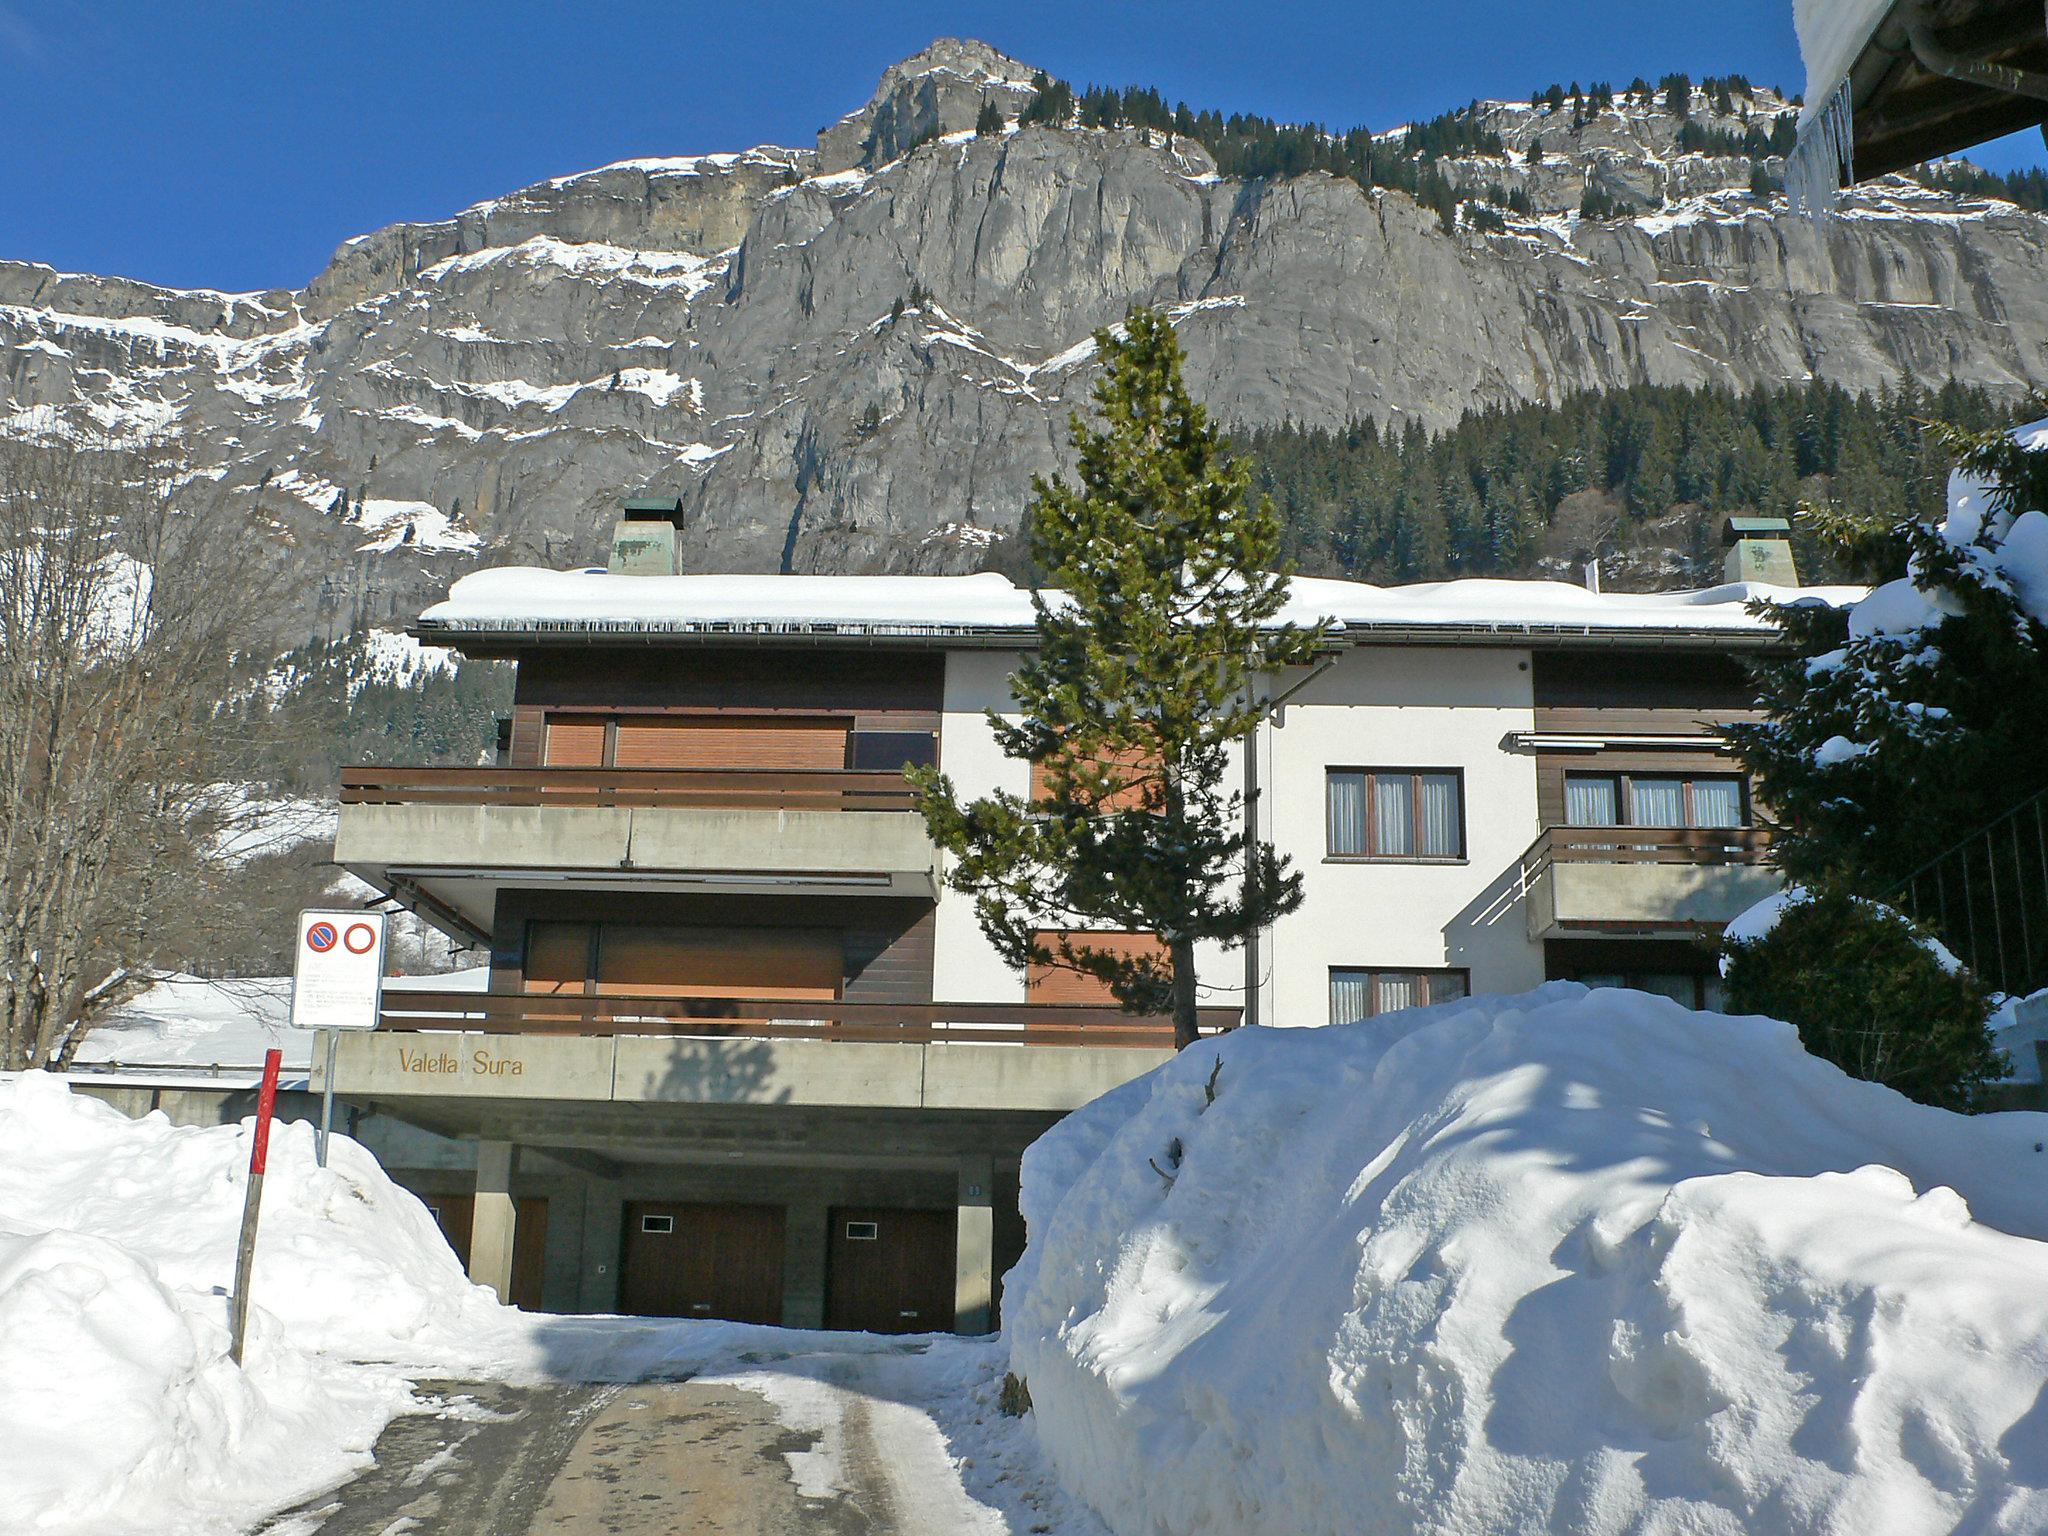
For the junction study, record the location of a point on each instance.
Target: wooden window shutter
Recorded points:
(575, 741)
(1057, 984)
(735, 743)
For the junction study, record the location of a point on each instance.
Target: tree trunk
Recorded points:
(1183, 993)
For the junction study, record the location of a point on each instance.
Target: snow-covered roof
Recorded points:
(1831, 35)
(528, 603)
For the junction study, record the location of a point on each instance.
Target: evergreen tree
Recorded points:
(1144, 677)
(1891, 735)
(990, 121)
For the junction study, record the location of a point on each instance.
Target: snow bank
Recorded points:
(1569, 1261)
(119, 1410)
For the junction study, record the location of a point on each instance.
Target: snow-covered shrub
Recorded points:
(1872, 993)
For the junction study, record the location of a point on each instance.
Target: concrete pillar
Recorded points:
(562, 1274)
(804, 1223)
(604, 1215)
(974, 1247)
(492, 1226)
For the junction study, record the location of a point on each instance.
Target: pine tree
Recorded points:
(989, 124)
(1144, 677)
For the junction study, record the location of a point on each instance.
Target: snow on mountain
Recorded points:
(707, 326)
(1565, 1262)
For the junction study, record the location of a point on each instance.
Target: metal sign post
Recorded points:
(252, 1205)
(337, 984)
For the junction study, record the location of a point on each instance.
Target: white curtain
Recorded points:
(1393, 805)
(1590, 800)
(1716, 803)
(1440, 818)
(1347, 813)
(1398, 989)
(1350, 996)
(1657, 802)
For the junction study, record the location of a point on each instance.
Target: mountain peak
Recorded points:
(938, 90)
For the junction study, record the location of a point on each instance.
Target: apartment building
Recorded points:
(741, 1055)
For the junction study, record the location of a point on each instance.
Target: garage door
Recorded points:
(457, 1214)
(889, 1271)
(689, 1260)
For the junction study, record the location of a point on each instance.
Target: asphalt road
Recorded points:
(652, 1459)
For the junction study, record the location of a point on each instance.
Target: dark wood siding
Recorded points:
(886, 942)
(866, 684)
(1634, 693)
(1653, 680)
(738, 742)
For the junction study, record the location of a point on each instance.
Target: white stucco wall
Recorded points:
(965, 967)
(1406, 707)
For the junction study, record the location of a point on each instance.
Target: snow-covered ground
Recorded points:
(1562, 1262)
(120, 1411)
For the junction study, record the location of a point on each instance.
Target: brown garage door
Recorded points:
(457, 1215)
(890, 1271)
(684, 1260)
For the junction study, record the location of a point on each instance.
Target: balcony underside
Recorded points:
(451, 860)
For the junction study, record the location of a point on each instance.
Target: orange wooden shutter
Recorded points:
(1131, 797)
(743, 743)
(720, 962)
(557, 956)
(1056, 984)
(575, 741)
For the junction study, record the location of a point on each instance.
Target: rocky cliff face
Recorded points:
(854, 356)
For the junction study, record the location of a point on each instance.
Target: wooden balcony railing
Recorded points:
(807, 789)
(1645, 845)
(785, 1018)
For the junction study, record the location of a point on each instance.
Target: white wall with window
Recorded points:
(1361, 992)
(1388, 783)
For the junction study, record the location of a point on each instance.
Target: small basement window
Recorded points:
(659, 1225)
(863, 1231)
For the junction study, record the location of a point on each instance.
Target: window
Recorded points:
(658, 1226)
(1654, 800)
(1388, 813)
(1361, 994)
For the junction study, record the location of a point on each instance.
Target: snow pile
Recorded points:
(119, 1410)
(1568, 1261)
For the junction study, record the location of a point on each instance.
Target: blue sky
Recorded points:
(234, 143)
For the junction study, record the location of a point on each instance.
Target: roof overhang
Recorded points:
(1933, 77)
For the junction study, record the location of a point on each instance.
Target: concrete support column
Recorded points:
(496, 1217)
(604, 1215)
(804, 1237)
(974, 1247)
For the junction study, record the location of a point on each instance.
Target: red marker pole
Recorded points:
(259, 1156)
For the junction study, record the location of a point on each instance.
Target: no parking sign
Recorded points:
(339, 976)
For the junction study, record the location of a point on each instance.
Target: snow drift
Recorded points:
(119, 1409)
(1561, 1262)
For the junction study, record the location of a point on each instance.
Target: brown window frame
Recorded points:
(1624, 794)
(1373, 973)
(1331, 856)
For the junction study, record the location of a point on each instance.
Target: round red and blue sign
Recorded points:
(322, 937)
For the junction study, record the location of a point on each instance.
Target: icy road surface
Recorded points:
(823, 1441)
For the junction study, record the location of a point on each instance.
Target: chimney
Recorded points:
(644, 538)
(1759, 549)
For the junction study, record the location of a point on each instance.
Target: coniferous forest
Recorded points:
(1651, 465)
